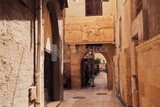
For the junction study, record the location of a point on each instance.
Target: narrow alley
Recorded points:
(79, 53)
(97, 96)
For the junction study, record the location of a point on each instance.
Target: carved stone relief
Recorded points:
(89, 31)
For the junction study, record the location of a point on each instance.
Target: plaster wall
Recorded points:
(16, 53)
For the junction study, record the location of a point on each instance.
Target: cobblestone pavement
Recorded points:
(97, 96)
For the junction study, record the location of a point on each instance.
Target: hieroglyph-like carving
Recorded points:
(89, 30)
(86, 30)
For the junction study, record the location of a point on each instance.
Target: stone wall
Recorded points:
(153, 9)
(122, 59)
(134, 30)
(144, 26)
(125, 77)
(148, 72)
(76, 58)
(152, 22)
(126, 24)
(89, 30)
(16, 53)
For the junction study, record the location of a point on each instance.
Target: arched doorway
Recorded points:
(92, 64)
(76, 63)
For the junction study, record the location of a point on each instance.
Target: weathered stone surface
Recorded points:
(148, 70)
(16, 54)
(84, 30)
(123, 61)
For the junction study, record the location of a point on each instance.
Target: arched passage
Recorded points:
(76, 59)
(90, 68)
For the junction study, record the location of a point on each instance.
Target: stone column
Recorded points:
(75, 68)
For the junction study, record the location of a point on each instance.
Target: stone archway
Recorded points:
(76, 66)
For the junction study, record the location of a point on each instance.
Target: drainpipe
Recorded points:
(39, 66)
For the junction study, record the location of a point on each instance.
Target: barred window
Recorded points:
(93, 7)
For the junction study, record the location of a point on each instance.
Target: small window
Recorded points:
(93, 7)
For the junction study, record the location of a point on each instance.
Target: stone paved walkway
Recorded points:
(97, 96)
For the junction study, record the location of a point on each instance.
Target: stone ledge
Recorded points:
(149, 44)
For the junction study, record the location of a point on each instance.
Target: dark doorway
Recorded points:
(66, 76)
(87, 71)
(87, 75)
(48, 77)
(91, 66)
